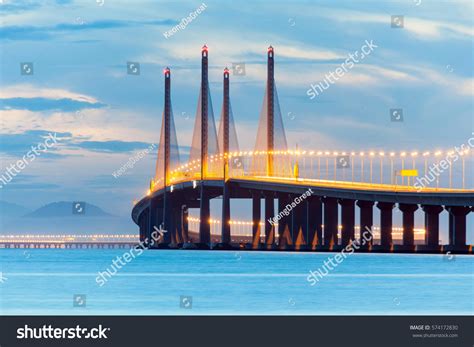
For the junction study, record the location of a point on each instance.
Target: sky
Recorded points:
(76, 83)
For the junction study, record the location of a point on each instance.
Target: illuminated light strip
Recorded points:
(317, 153)
(236, 222)
(64, 238)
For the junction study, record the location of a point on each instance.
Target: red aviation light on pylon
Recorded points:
(226, 73)
(270, 52)
(204, 50)
(166, 72)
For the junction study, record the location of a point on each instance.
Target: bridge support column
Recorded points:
(256, 218)
(315, 221)
(330, 221)
(225, 222)
(146, 225)
(172, 221)
(155, 220)
(149, 228)
(269, 227)
(142, 226)
(300, 230)
(386, 223)
(366, 220)
(204, 215)
(348, 220)
(284, 224)
(408, 211)
(432, 224)
(185, 223)
(457, 224)
(178, 222)
(167, 220)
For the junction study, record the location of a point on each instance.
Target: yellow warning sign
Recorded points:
(409, 173)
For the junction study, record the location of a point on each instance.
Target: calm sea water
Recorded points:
(45, 281)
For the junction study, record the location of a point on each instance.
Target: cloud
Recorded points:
(19, 144)
(462, 86)
(362, 75)
(17, 6)
(43, 104)
(24, 32)
(31, 91)
(89, 124)
(423, 29)
(223, 51)
(302, 51)
(15, 144)
(30, 186)
(336, 121)
(28, 97)
(112, 146)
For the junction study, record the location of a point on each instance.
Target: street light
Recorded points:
(352, 165)
(371, 159)
(425, 156)
(392, 154)
(450, 171)
(382, 155)
(403, 154)
(327, 164)
(414, 154)
(437, 154)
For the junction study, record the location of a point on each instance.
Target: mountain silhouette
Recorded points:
(67, 209)
(62, 217)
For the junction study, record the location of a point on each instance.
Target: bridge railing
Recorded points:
(421, 170)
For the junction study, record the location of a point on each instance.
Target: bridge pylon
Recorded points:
(225, 223)
(204, 206)
(270, 110)
(168, 148)
(166, 198)
(271, 137)
(167, 161)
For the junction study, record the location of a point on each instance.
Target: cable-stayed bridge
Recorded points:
(311, 197)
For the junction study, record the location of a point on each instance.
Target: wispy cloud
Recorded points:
(20, 143)
(43, 104)
(29, 91)
(25, 32)
(27, 97)
(112, 146)
(17, 6)
(424, 29)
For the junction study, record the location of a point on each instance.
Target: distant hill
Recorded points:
(10, 210)
(66, 209)
(58, 218)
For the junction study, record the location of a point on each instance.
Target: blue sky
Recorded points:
(81, 90)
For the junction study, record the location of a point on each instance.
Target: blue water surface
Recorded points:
(44, 281)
